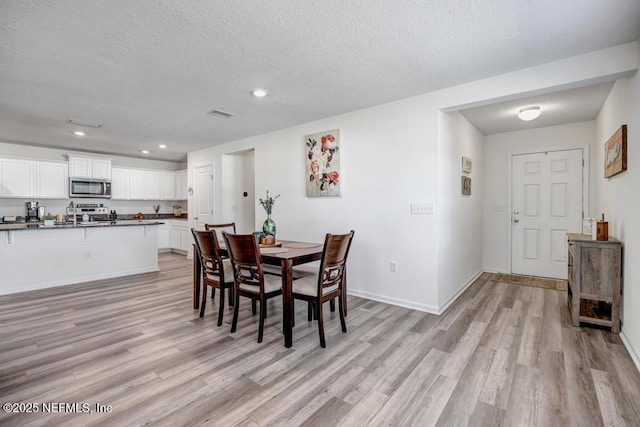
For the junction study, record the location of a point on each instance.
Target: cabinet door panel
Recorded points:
(52, 180)
(136, 185)
(80, 167)
(168, 185)
(101, 169)
(16, 178)
(119, 184)
(151, 185)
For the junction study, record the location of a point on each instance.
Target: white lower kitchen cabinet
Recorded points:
(164, 236)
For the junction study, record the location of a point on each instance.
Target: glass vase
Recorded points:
(269, 226)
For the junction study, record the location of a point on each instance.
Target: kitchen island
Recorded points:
(34, 256)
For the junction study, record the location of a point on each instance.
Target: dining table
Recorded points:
(286, 254)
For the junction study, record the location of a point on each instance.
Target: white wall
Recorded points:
(390, 159)
(238, 177)
(618, 198)
(497, 152)
(379, 183)
(459, 217)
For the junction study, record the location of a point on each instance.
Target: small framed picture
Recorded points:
(467, 163)
(615, 153)
(466, 186)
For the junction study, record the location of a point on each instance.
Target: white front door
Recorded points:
(546, 205)
(204, 196)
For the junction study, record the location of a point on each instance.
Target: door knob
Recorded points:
(516, 212)
(516, 220)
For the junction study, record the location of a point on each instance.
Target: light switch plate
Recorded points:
(422, 208)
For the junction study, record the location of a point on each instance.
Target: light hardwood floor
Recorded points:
(502, 354)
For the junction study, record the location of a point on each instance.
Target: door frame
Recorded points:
(195, 191)
(585, 187)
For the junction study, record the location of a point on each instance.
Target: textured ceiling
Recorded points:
(151, 70)
(569, 106)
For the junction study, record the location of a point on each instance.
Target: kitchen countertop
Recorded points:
(100, 224)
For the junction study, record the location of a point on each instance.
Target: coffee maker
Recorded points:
(34, 212)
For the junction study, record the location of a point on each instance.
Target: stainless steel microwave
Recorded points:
(85, 187)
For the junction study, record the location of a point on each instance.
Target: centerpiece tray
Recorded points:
(273, 245)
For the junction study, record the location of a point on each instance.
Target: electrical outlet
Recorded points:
(422, 208)
(393, 267)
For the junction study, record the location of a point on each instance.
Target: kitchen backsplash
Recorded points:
(126, 208)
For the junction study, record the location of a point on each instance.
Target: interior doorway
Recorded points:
(203, 178)
(546, 203)
(238, 190)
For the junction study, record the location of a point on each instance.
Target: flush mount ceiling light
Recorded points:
(529, 113)
(145, 151)
(260, 93)
(163, 146)
(81, 123)
(79, 133)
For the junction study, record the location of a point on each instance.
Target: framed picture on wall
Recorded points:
(615, 153)
(467, 164)
(466, 186)
(323, 177)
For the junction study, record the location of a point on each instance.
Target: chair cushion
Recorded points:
(228, 272)
(308, 285)
(271, 284)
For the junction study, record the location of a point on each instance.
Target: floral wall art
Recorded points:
(323, 164)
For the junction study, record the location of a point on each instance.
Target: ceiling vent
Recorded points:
(81, 123)
(220, 113)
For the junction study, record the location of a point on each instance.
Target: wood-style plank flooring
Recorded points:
(502, 354)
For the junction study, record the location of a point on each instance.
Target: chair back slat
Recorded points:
(229, 227)
(245, 258)
(208, 250)
(334, 258)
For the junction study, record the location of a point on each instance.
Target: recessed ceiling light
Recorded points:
(145, 151)
(260, 93)
(163, 146)
(79, 133)
(529, 113)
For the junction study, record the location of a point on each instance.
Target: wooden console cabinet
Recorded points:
(594, 281)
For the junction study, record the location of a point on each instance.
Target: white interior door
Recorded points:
(204, 196)
(546, 204)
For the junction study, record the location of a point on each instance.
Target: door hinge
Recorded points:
(582, 162)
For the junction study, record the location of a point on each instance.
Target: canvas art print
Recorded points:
(323, 177)
(466, 186)
(615, 153)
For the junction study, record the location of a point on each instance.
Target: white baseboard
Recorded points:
(412, 304)
(75, 280)
(394, 301)
(455, 296)
(495, 270)
(632, 351)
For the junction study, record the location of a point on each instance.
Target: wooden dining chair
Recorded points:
(250, 280)
(229, 227)
(216, 271)
(328, 281)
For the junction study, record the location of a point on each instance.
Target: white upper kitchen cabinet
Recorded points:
(86, 167)
(152, 185)
(144, 185)
(17, 178)
(52, 180)
(136, 185)
(168, 185)
(119, 184)
(181, 185)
